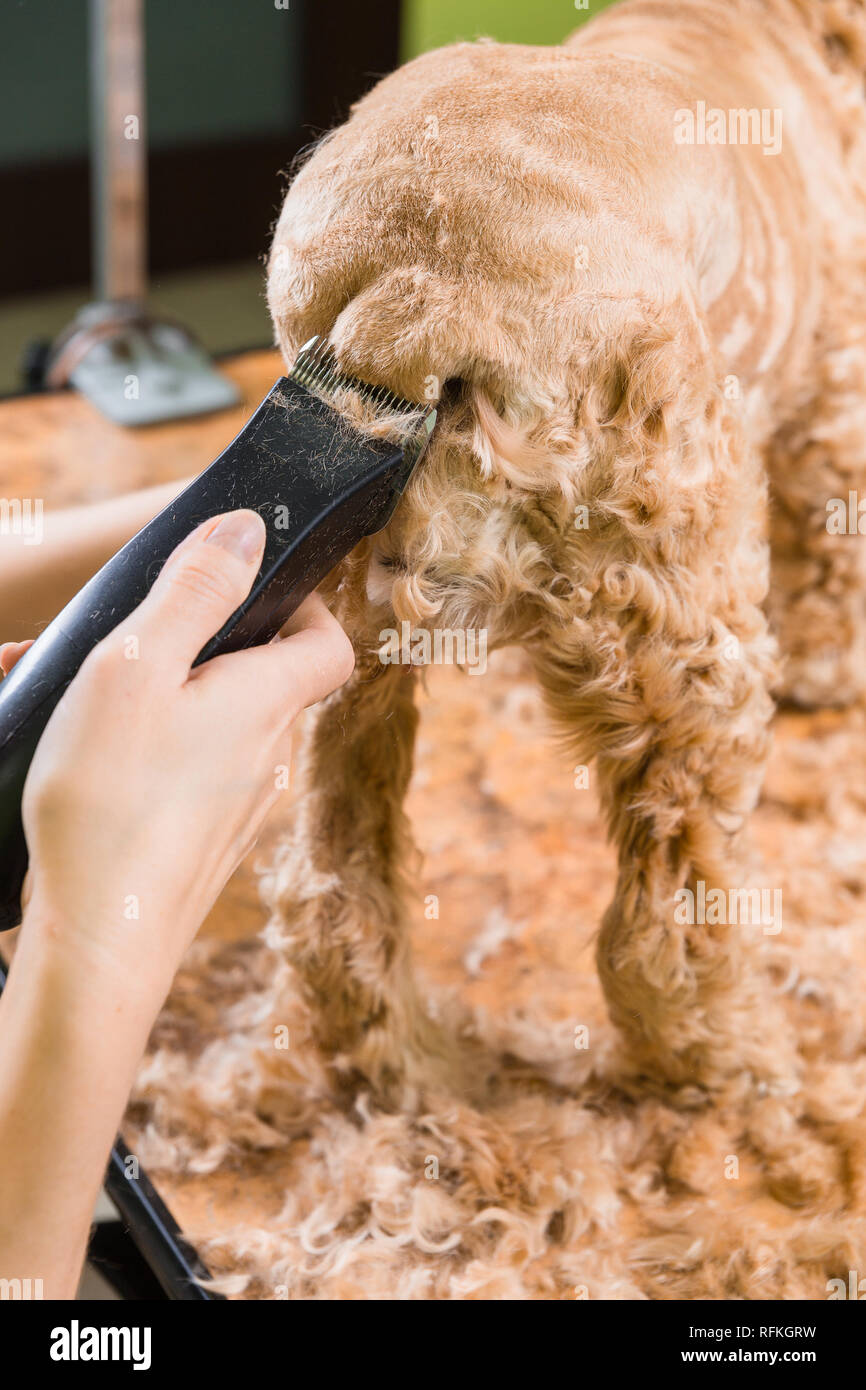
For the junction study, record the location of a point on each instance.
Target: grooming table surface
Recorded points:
(516, 853)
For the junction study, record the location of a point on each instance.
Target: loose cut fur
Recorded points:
(636, 343)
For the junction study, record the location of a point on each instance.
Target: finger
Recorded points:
(201, 584)
(12, 652)
(313, 612)
(313, 659)
(27, 889)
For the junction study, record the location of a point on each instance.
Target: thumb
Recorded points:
(200, 585)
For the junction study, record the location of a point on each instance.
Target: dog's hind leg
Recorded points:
(665, 682)
(339, 885)
(817, 601)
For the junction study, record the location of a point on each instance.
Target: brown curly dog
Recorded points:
(634, 268)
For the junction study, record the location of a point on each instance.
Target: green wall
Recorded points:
(432, 23)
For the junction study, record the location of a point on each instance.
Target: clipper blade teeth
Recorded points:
(315, 367)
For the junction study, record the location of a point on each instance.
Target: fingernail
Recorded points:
(241, 533)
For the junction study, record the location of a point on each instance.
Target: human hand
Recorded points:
(152, 779)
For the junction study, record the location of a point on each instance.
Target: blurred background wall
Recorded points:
(235, 89)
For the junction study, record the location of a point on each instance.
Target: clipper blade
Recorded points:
(315, 368)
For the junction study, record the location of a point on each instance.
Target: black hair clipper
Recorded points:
(320, 486)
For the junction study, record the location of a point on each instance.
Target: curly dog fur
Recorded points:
(652, 361)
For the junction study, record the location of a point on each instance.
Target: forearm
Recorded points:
(40, 572)
(69, 1048)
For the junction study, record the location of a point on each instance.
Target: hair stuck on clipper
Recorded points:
(372, 410)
